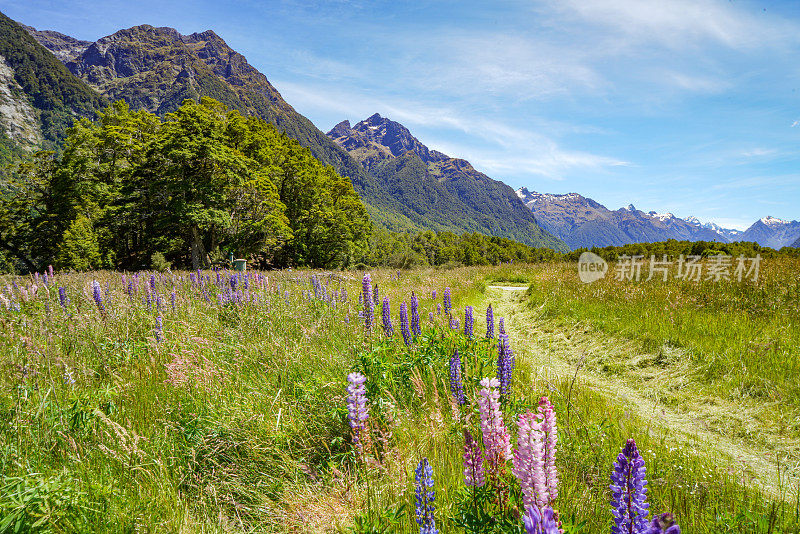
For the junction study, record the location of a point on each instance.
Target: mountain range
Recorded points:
(583, 223)
(158, 68)
(48, 79)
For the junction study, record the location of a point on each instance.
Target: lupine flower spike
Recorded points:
(404, 324)
(473, 462)
(357, 409)
(456, 385)
(387, 318)
(505, 360)
(415, 327)
(550, 431)
(489, 322)
(496, 440)
(468, 321)
(448, 305)
(628, 492)
(529, 461)
(425, 496)
(97, 294)
(537, 522)
(369, 305)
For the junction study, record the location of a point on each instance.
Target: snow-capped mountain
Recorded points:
(583, 222)
(772, 232)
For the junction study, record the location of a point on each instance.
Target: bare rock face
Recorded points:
(17, 116)
(64, 47)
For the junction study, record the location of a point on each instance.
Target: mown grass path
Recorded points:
(559, 353)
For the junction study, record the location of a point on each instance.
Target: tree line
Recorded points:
(199, 182)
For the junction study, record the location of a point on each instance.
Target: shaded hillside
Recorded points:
(39, 97)
(435, 190)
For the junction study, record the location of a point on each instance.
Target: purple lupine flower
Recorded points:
(468, 321)
(473, 462)
(425, 497)
(172, 298)
(454, 323)
(628, 492)
(664, 524)
(62, 297)
(505, 360)
(489, 322)
(159, 302)
(375, 296)
(387, 318)
(433, 295)
(550, 433)
(46, 279)
(369, 306)
(415, 327)
(456, 384)
(448, 304)
(98, 296)
(430, 316)
(438, 309)
(404, 324)
(343, 295)
(159, 329)
(357, 409)
(152, 282)
(540, 522)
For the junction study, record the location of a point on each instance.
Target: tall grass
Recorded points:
(236, 420)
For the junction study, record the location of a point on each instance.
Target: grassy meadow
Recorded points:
(210, 403)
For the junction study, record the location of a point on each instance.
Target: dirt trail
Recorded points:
(554, 353)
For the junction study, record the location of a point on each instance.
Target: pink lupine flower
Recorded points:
(496, 440)
(550, 430)
(473, 462)
(529, 465)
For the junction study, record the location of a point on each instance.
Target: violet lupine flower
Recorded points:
(433, 295)
(152, 282)
(425, 496)
(489, 322)
(473, 462)
(430, 316)
(550, 430)
(438, 309)
(344, 294)
(98, 296)
(387, 318)
(496, 440)
(369, 306)
(540, 522)
(375, 295)
(529, 461)
(62, 297)
(505, 360)
(357, 409)
(159, 329)
(448, 304)
(468, 321)
(456, 384)
(404, 324)
(664, 524)
(415, 328)
(454, 323)
(628, 492)
(172, 298)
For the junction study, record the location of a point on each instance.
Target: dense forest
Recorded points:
(202, 181)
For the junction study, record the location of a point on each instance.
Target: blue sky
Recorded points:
(685, 106)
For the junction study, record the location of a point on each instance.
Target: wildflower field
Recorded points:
(476, 400)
